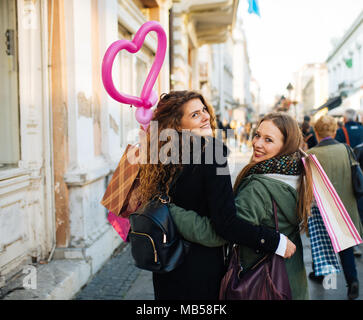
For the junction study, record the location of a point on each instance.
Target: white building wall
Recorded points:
(86, 177)
(344, 80)
(349, 47)
(222, 78)
(86, 171)
(241, 71)
(26, 206)
(27, 213)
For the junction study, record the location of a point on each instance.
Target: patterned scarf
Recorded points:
(290, 164)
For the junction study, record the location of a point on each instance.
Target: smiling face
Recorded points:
(196, 118)
(267, 142)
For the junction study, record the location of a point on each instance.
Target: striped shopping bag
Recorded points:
(337, 221)
(121, 197)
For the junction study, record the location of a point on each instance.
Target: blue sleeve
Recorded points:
(340, 136)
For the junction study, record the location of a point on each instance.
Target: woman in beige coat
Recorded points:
(334, 158)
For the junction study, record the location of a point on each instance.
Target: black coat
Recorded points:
(358, 150)
(355, 133)
(199, 188)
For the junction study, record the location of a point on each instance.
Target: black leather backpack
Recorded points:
(155, 242)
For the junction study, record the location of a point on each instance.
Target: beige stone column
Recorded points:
(56, 20)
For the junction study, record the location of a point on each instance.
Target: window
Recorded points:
(9, 105)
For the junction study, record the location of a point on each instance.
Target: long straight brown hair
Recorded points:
(293, 142)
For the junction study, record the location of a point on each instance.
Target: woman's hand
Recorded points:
(290, 249)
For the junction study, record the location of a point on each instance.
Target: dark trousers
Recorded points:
(360, 208)
(348, 263)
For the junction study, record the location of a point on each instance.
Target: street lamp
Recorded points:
(295, 103)
(289, 88)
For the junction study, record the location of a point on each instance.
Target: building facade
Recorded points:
(345, 68)
(61, 134)
(201, 32)
(27, 221)
(310, 89)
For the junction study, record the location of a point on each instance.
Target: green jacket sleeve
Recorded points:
(253, 203)
(195, 228)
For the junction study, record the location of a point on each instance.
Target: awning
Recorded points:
(353, 101)
(331, 103)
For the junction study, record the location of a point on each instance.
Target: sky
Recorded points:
(291, 33)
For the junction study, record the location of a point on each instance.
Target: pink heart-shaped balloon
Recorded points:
(148, 97)
(143, 116)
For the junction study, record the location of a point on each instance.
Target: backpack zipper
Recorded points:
(152, 242)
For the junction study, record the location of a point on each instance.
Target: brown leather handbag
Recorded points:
(266, 280)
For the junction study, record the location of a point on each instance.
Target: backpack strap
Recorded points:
(346, 135)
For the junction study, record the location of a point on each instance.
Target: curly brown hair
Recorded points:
(155, 178)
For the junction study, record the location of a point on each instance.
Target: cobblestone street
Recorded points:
(114, 280)
(119, 279)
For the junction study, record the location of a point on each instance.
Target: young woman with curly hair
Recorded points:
(193, 183)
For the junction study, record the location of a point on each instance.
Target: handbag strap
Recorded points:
(275, 214)
(346, 135)
(351, 155)
(277, 230)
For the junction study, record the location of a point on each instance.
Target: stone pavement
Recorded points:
(115, 279)
(336, 289)
(119, 279)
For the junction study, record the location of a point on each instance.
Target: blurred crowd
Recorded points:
(324, 138)
(350, 132)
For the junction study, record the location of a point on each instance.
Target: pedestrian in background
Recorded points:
(220, 131)
(351, 134)
(308, 133)
(276, 172)
(197, 186)
(358, 150)
(352, 131)
(334, 158)
(226, 127)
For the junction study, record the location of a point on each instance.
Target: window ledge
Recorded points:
(13, 180)
(9, 173)
(81, 178)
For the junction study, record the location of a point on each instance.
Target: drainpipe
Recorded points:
(49, 176)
